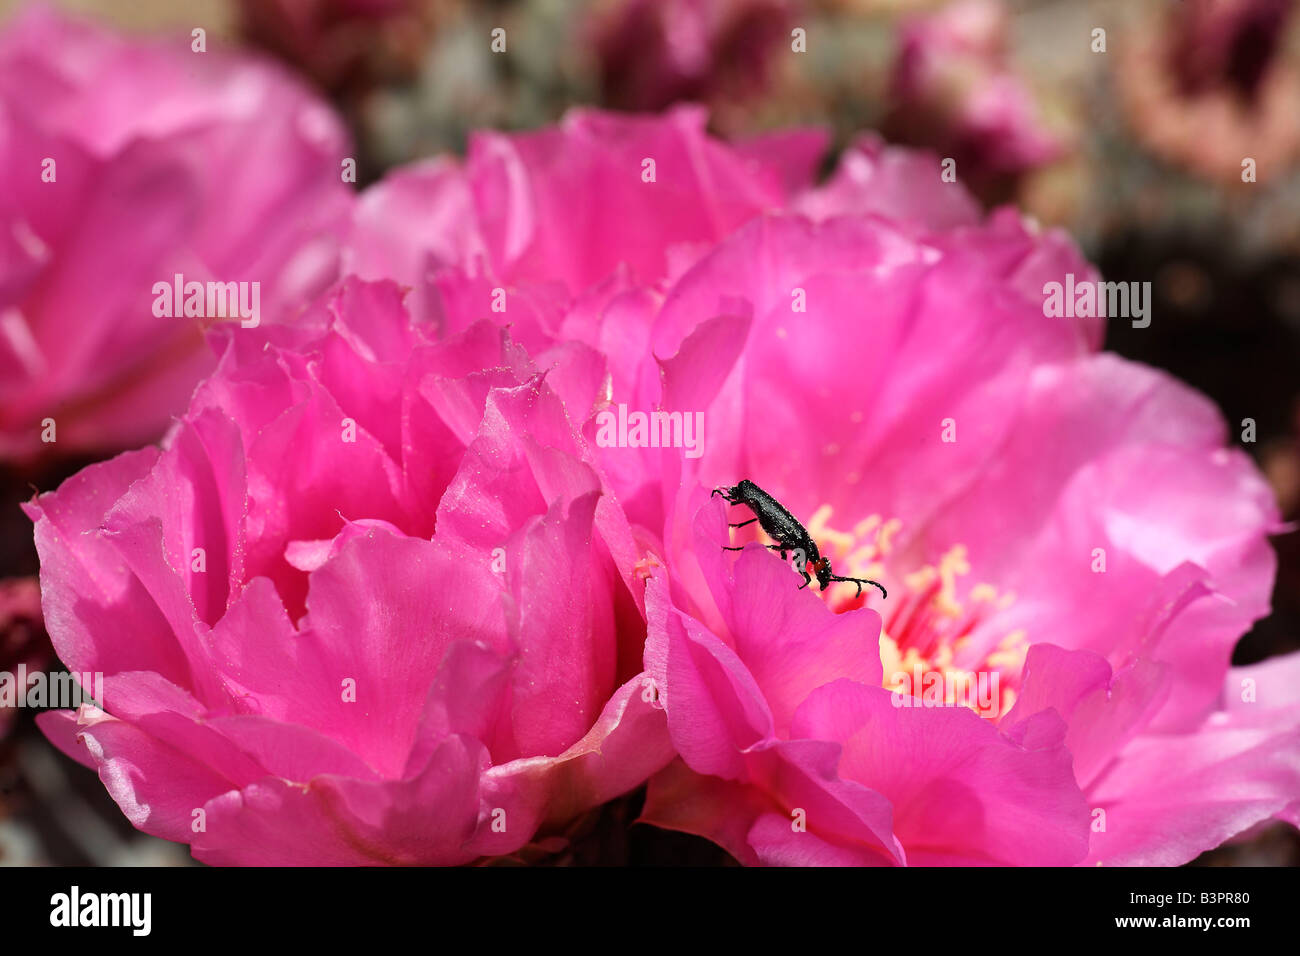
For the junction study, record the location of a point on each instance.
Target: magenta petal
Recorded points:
(720, 810)
(715, 709)
(1102, 713)
(702, 190)
(255, 646)
(900, 184)
(958, 786)
(627, 744)
(158, 787)
(793, 153)
(470, 696)
(807, 777)
(62, 729)
(304, 480)
(1169, 798)
(144, 132)
(564, 636)
(777, 843)
(1264, 686)
(287, 750)
(790, 641)
(415, 219)
(382, 626)
(98, 620)
(336, 821)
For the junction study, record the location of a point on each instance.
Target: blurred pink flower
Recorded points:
(130, 160)
(654, 53)
(22, 636)
(1207, 84)
(411, 634)
(953, 90)
(341, 43)
(1216, 42)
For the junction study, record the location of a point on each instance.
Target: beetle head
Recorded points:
(822, 569)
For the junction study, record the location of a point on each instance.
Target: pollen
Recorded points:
(935, 622)
(644, 567)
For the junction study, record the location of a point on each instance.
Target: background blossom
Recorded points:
(216, 165)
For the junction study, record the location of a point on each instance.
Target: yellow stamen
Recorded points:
(930, 617)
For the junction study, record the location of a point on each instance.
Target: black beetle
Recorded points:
(786, 529)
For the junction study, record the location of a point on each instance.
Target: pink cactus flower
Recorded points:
(1065, 539)
(1061, 524)
(366, 604)
(129, 161)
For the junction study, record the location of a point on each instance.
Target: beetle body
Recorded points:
(785, 529)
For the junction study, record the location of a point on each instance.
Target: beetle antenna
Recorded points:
(861, 581)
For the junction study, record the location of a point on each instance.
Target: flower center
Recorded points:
(940, 642)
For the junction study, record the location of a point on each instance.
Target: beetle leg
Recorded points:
(807, 580)
(743, 523)
(861, 581)
(725, 548)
